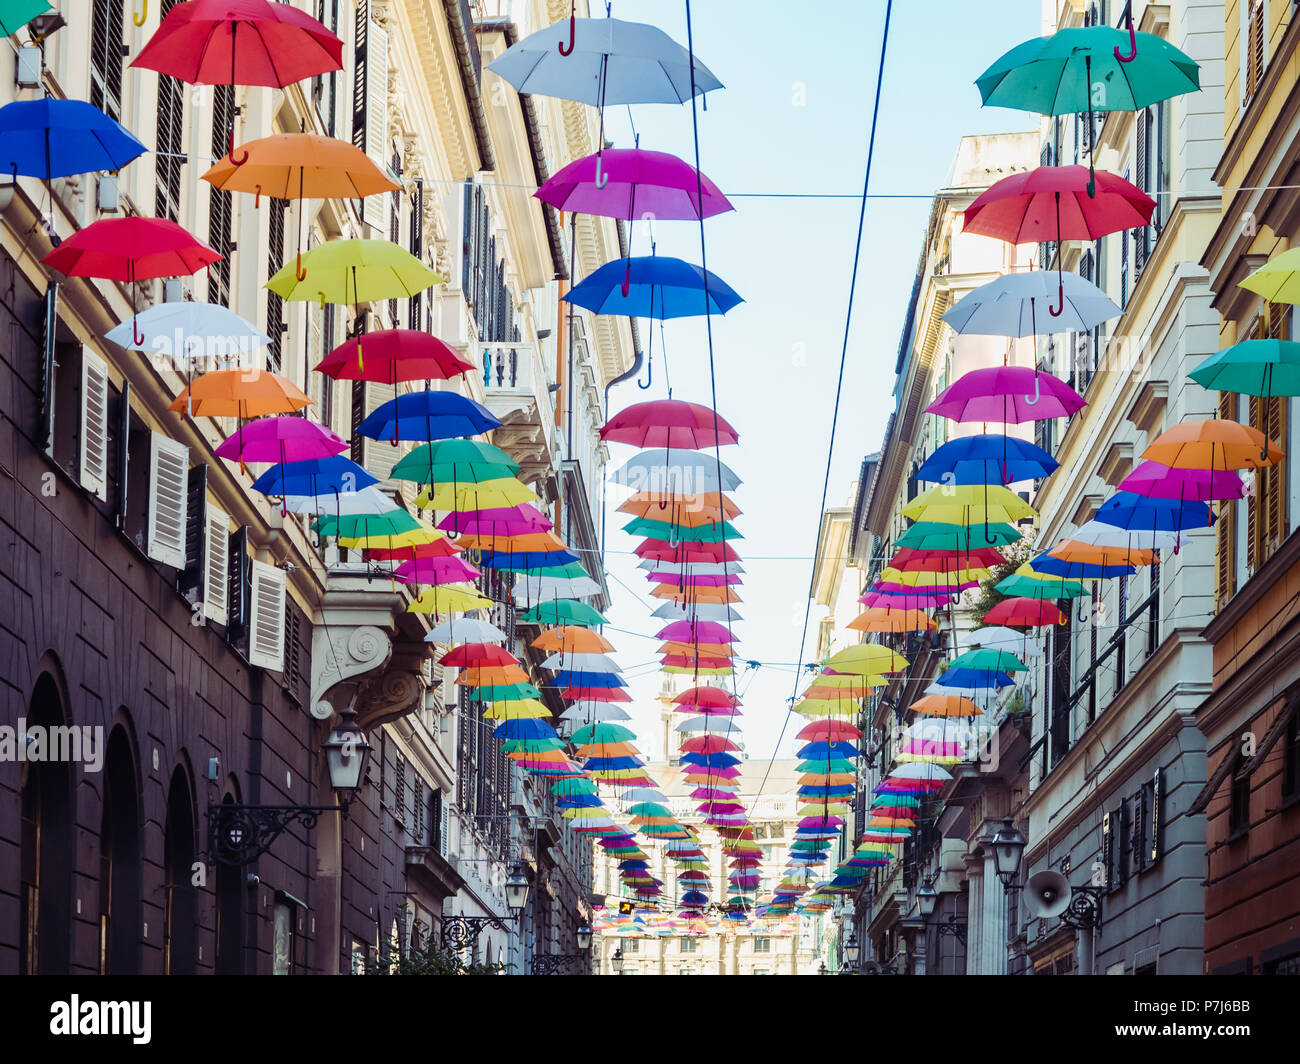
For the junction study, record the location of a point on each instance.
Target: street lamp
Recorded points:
(852, 950)
(584, 937)
(1008, 847)
(346, 755)
(821, 970)
(517, 889)
(616, 961)
(927, 898)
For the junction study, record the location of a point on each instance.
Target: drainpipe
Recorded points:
(637, 357)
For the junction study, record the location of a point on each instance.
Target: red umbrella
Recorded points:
(661, 550)
(668, 423)
(829, 731)
(908, 560)
(708, 744)
(394, 355)
(596, 694)
(695, 662)
(131, 249)
(240, 42)
(1055, 203)
(439, 548)
(1024, 613)
(473, 655)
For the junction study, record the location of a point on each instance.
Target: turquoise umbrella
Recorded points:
(988, 658)
(1266, 368)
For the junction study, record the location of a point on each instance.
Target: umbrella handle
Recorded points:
(230, 148)
(573, 28)
(137, 337)
(1038, 393)
(301, 273)
(257, 198)
(1132, 44)
(143, 16)
(602, 178)
(627, 279)
(1056, 311)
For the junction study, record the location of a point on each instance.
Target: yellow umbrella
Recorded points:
(387, 541)
(515, 709)
(1278, 280)
(881, 658)
(462, 498)
(909, 578)
(354, 271)
(969, 504)
(449, 598)
(824, 707)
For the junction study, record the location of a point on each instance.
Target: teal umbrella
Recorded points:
(1265, 368)
(15, 14)
(988, 658)
(676, 533)
(1017, 585)
(936, 535)
(602, 733)
(563, 611)
(1093, 68)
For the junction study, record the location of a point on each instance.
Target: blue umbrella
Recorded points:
(499, 559)
(580, 678)
(710, 760)
(827, 751)
(1050, 566)
(315, 476)
(58, 138)
(1128, 510)
(606, 764)
(974, 678)
(694, 897)
(524, 728)
(986, 460)
(822, 793)
(579, 801)
(427, 416)
(653, 286)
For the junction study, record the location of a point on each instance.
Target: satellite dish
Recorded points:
(1047, 894)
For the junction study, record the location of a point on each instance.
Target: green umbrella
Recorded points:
(568, 571)
(350, 526)
(569, 788)
(675, 533)
(1092, 68)
(530, 746)
(505, 692)
(603, 733)
(563, 611)
(1253, 367)
(649, 809)
(833, 765)
(455, 461)
(1017, 585)
(15, 14)
(988, 658)
(935, 535)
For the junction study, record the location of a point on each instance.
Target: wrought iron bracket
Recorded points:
(552, 963)
(240, 834)
(1084, 909)
(952, 926)
(459, 932)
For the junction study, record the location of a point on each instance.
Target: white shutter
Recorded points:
(266, 618)
(169, 467)
(216, 566)
(375, 208)
(92, 465)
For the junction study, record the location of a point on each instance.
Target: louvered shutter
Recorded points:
(1225, 538)
(374, 73)
(237, 584)
(1256, 518)
(169, 464)
(274, 303)
(106, 24)
(266, 617)
(415, 312)
(1141, 153)
(216, 565)
(196, 530)
(1279, 327)
(123, 454)
(1156, 813)
(92, 464)
(1108, 848)
(48, 367)
(1254, 48)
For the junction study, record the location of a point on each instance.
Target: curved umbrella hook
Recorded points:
(1038, 392)
(137, 337)
(300, 272)
(573, 28)
(230, 148)
(649, 377)
(143, 16)
(1132, 41)
(1059, 309)
(627, 280)
(602, 178)
(1081, 617)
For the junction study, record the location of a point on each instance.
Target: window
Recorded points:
(633, 945)
(324, 87)
(1266, 509)
(168, 157)
(284, 935)
(1291, 754)
(106, 18)
(416, 302)
(358, 955)
(762, 945)
(275, 326)
(1239, 798)
(687, 944)
(219, 202)
(1254, 44)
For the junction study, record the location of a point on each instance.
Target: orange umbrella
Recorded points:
(300, 166)
(833, 779)
(848, 693)
(712, 650)
(946, 706)
(240, 393)
(571, 639)
(490, 675)
(528, 542)
(1213, 444)
(883, 619)
(1069, 550)
(689, 510)
(695, 594)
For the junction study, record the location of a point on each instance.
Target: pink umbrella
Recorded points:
(1006, 394)
(506, 521)
(281, 439)
(696, 632)
(633, 183)
(450, 570)
(1158, 481)
(908, 601)
(693, 581)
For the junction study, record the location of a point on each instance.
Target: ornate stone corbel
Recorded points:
(341, 664)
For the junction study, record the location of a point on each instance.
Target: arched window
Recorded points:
(119, 861)
(180, 920)
(45, 905)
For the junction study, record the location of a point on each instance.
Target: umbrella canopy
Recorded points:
(51, 138)
(436, 571)
(987, 459)
(938, 705)
(940, 535)
(292, 166)
(571, 640)
(1278, 280)
(187, 331)
(629, 183)
(240, 42)
(653, 286)
(394, 355)
(1029, 583)
(563, 612)
(476, 654)
(430, 415)
(1051, 203)
(1199, 485)
(884, 619)
(369, 500)
(1023, 613)
(465, 628)
(352, 271)
(668, 423)
(1006, 394)
(131, 249)
(988, 658)
(676, 471)
(605, 62)
(314, 476)
(1213, 444)
(1019, 643)
(240, 393)
(1264, 368)
(968, 504)
(1126, 510)
(14, 14)
(281, 439)
(1016, 305)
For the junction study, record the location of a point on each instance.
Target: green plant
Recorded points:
(1016, 555)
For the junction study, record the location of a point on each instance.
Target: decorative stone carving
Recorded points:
(338, 671)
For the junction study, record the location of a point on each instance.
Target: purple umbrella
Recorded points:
(629, 183)
(505, 521)
(436, 571)
(1158, 481)
(281, 439)
(1006, 394)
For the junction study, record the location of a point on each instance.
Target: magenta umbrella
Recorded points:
(696, 632)
(506, 521)
(694, 581)
(281, 439)
(451, 570)
(1158, 481)
(903, 601)
(1006, 394)
(631, 183)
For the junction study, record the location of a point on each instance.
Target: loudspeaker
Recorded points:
(1047, 894)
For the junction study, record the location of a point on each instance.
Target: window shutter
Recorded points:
(237, 584)
(274, 303)
(216, 565)
(123, 453)
(92, 466)
(1108, 848)
(1156, 812)
(1254, 48)
(1257, 503)
(1226, 527)
(1142, 126)
(1275, 481)
(48, 368)
(169, 464)
(415, 312)
(375, 73)
(266, 617)
(196, 516)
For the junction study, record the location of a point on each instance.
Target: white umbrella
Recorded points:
(533, 589)
(715, 725)
(604, 62)
(697, 611)
(1016, 305)
(185, 332)
(586, 662)
(642, 794)
(1100, 534)
(594, 714)
(465, 630)
(693, 568)
(939, 730)
(661, 470)
(1000, 638)
(368, 500)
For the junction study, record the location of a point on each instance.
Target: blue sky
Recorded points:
(794, 118)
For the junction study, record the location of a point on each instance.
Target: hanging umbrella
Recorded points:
(653, 286)
(1005, 639)
(502, 521)
(1027, 582)
(436, 571)
(688, 510)
(452, 598)
(315, 476)
(986, 459)
(968, 504)
(465, 628)
(395, 355)
(240, 393)
(49, 138)
(462, 497)
(563, 612)
(569, 640)
(629, 183)
(240, 42)
(1198, 485)
(605, 61)
(1213, 444)
(281, 440)
(367, 501)
(668, 423)
(988, 658)
(1016, 305)
(881, 619)
(1129, 511)
(1096, 533)
(1007, 394)
(1278, 280)
(676, 470)
(1023, 613)
(1264, 368)
(946, 706)
(1093, 566)
(428, 416)
(940, 535)
(189, 332)
(14, 14)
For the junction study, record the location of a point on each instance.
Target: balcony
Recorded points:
(517, 389)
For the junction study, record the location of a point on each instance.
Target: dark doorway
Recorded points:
(230, 915)
(119, 861)
(180, 928)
